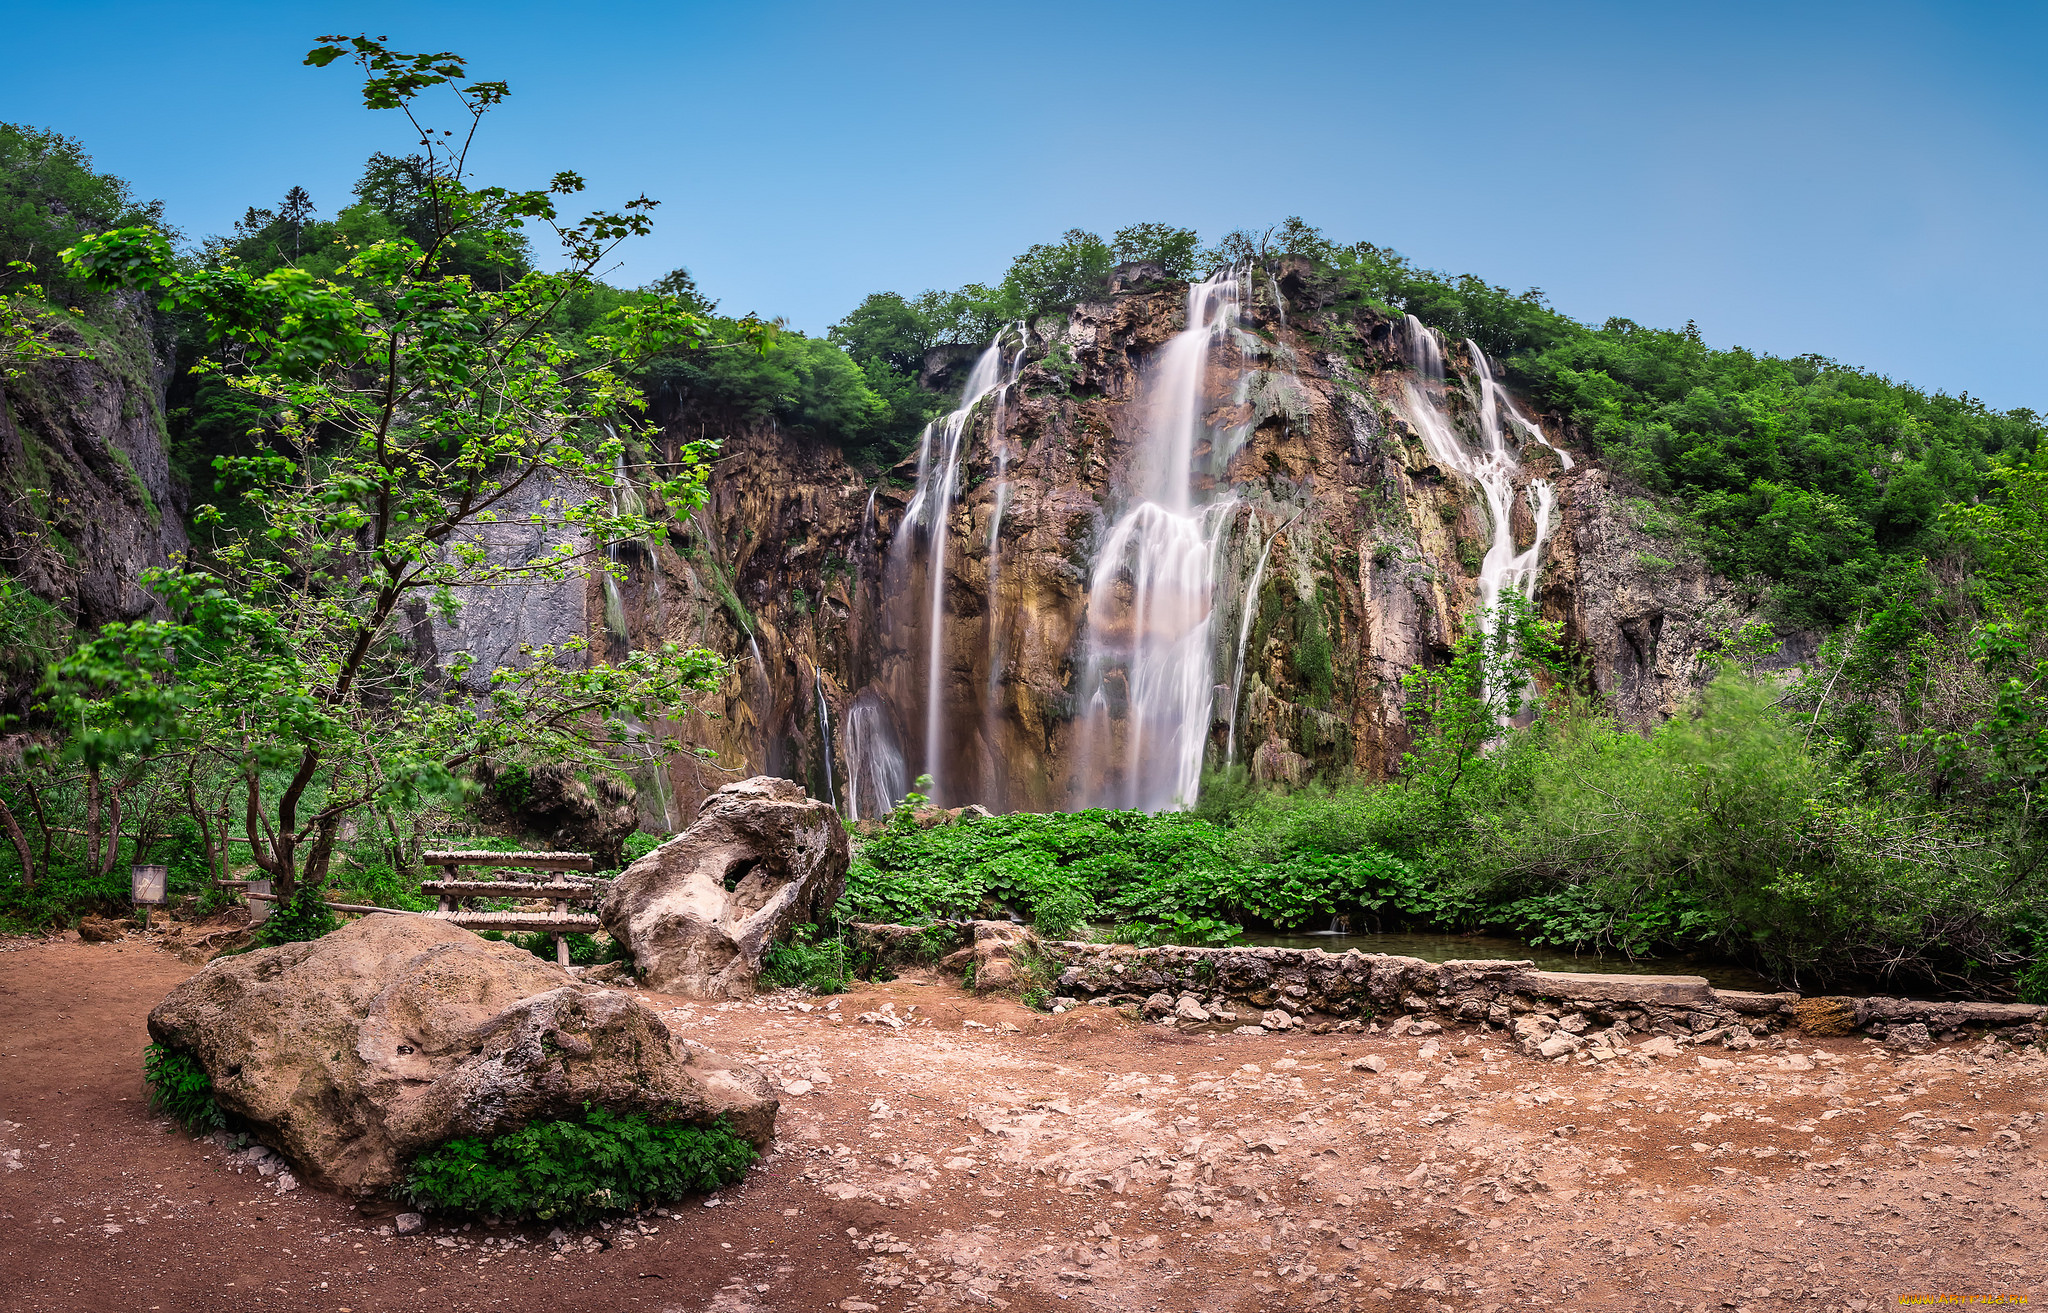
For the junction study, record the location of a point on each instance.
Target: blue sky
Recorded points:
(1864, 181)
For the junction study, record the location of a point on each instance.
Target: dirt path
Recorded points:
(1087, 1162)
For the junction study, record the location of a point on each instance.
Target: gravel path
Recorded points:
(948, 1151)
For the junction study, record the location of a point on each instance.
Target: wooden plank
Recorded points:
(554, 921)
(563, 892)
(343, 907)
(532, 861)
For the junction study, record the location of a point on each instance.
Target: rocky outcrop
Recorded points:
(87, 497)
(1364, 548)
(353, 1053)
(577, 816)
(699, 912)
(998, 954)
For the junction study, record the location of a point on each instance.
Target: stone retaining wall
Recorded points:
(1288, 988)
(1330, 991)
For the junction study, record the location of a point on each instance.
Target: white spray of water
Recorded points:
(825, 735)
(875, 776)
(1244, 634)
(1151, 597)
(939, 458)
(1493, 467)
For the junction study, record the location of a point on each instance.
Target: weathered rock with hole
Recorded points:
(353, 1053)
(700, 912)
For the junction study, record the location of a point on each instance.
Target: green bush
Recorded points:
(180, 1089)
(1059, 910)
(1174, 869)
(804, 962)
(306, 916)
(575, 1171)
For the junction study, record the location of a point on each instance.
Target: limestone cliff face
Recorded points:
(797, 570)
(1346, 552)
(87, 500)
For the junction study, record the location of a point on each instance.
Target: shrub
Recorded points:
(304, 917)
(584, 950)
(574, 1171)
(1058, 911)
(180, 1089)
(805, 963)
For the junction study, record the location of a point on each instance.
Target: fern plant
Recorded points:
(180, 1089)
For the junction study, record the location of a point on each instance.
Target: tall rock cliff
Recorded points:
(87, 497)
(1346, 489)
(1345, 549)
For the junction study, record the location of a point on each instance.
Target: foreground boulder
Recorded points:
(699, 912)
(353, 1053)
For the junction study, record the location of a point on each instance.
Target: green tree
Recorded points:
(1172, 249)
(1463, 705)
(405, 411)
(1052, 277)
(887, 328)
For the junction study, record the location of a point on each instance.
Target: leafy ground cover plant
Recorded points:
(805, 961)
(180, 1089)
(577, 1170)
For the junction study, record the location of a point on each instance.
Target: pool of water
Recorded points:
(1445, 948)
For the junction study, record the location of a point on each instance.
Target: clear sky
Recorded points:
(1861, 180)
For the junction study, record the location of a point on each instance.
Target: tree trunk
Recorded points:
(213, 872)
(28, 861)
(92, 818)
(113, 829)
(35, 803)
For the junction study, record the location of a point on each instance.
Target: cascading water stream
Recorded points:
(875, 776)
(1493, 468)
(626, 500)
(825, 735)
(1149, 685)
(939, 459)
(1244, 634)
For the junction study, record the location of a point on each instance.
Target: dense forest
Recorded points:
(354, 388)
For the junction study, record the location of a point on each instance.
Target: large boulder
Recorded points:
(352, 1053)
(699, 912)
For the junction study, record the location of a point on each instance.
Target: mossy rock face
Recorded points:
(87, 497)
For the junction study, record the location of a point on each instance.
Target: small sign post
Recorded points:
(146, 887)
(259, 908)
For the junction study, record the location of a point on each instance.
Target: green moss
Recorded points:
(135, 482)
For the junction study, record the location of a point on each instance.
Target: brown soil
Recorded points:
(1086, 1161)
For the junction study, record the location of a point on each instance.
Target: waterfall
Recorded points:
(825, 735)
(1148, 685)
(875, 776)
(1244, 634)
(992, 699)
(941, 448)
(761, 672)
(615, 605)
(1493, 468)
